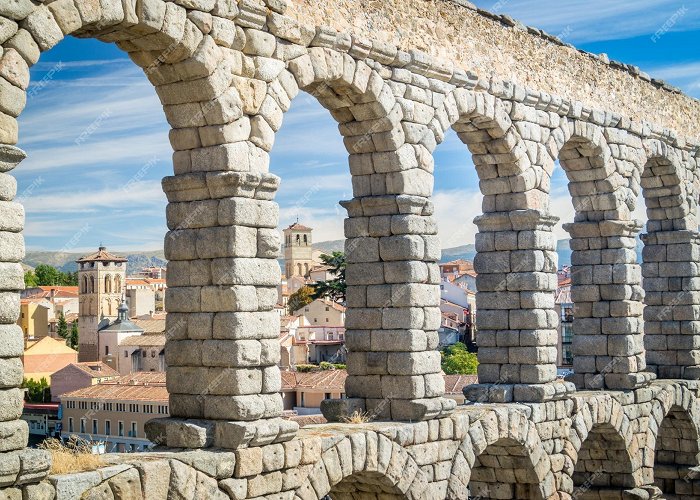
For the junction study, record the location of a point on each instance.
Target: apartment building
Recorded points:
(115, 412)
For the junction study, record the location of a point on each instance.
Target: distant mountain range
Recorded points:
(66, 261)
(468, 252)
(138, 260)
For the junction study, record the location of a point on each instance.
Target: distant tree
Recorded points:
(69, 279)
(47, 275)
(72, 340)
(300, 298)
(37, 392)
(456, 360)
(30, 280)
(62, 327)
(335, 288)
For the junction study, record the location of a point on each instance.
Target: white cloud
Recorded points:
(455, 211)
(683, 75)
(597, 20)
(128, 197)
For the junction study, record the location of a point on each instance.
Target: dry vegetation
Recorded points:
(358, 417)
(73, 456)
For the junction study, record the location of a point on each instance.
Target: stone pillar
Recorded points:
(671, 271)
(516, 321)
(393, 312)
(222, 344)
(18, 464)
(14, 431)
(606, 289)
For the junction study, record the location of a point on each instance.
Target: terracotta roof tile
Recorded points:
(143, 341)
(102, 255)
(140, 386)
(96, 369)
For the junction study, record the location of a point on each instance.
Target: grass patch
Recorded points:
(75, 455)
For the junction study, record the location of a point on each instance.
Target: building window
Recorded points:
(108, 427)
(82, 426)
(133, 433)
(70, 424)
(126, 354)
(106, 350)
(302, 399)
(327, 395)
(95, 430)
(328, 308)
(120, 428)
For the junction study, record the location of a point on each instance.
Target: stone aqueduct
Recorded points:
(626, 426)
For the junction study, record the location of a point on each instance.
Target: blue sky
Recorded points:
(97, 144)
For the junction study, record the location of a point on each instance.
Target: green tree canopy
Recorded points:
(72, 339)
(37, 392)
(30, 280)
(333, 289)
(46, 275)
(62, 327)
(300, 298)
(457, 360)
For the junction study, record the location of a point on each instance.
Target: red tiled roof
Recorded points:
(144, 341)
(140, 386)
(59, 288)
(458, 262)
(102, 255)
(299, 227)
(96, 369)
(140, 378)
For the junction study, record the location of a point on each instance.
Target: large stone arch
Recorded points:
(391, 244)
(669, 260)
(514, 241)
(606, 278)
(603, 451)
(154, 31)
(672, 439)
(666, 188)
(367, 464)
(596, 188)
(502, 456)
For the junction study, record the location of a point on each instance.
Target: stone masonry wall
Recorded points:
(498, 47)
(226, 73)
(591, 446)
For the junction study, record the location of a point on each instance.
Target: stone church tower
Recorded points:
(298, 252)
(101, 282)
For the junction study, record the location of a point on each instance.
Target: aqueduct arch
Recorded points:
(226, 73)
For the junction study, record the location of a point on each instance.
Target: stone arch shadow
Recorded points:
(502, 457)
(672, 441)
(367, 464)
(667, 191)
(604, 452)
(508, 177)
(595, 184)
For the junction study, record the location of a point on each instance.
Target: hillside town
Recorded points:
(104, 387)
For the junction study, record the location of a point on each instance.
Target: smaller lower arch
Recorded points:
(505, 470)
(604, 461)
(677, 453)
